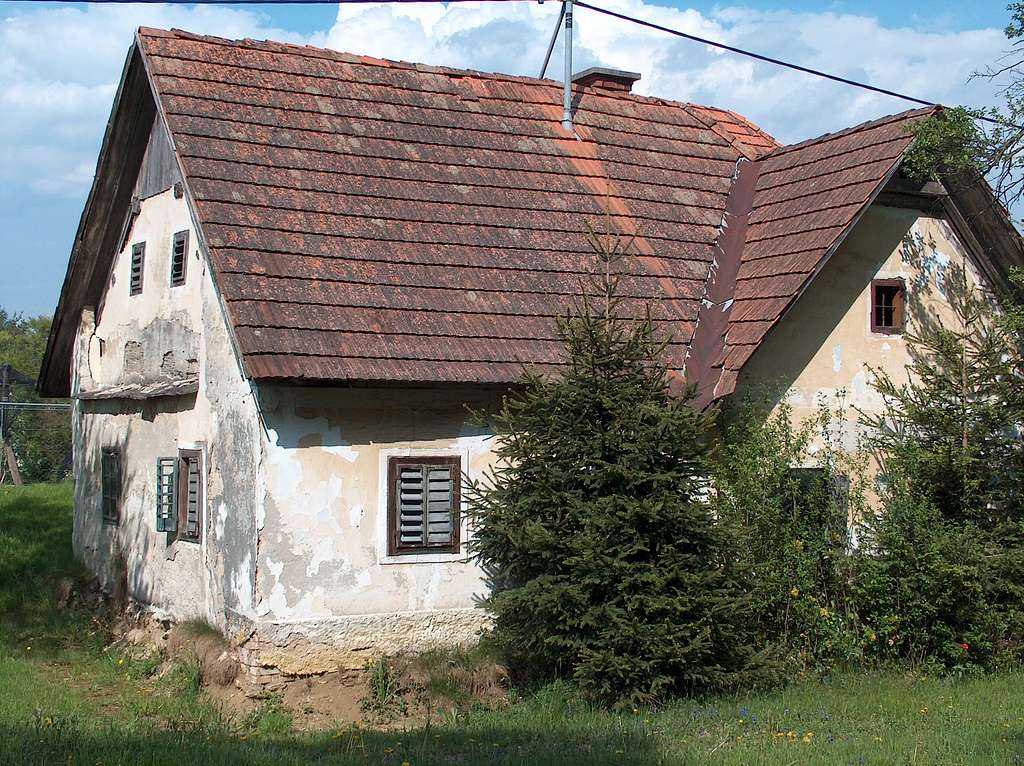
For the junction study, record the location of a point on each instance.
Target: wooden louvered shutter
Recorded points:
(137, 267)
(166, 494)
(110, 484)
(440, 484)
(424, 504)
(190, 495)
(179, 259)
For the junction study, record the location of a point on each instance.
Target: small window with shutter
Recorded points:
(888, 303)
(423, 505)
(138, 263)
(179, 259)
(179, 495)
(110, 485)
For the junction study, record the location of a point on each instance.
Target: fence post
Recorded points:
(12, 464)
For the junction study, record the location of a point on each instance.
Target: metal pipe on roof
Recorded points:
(567, 75)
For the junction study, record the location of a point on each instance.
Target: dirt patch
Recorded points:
(218, 665)
(325, 700)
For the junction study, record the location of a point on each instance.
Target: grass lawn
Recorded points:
(63, 700)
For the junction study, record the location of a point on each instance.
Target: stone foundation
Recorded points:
(323, 645)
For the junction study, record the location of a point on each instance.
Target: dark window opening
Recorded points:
(110, 485)
(179, 259)
(179, 496)
(887, 306)
(138, 261)
(821, 503)
(423, 505)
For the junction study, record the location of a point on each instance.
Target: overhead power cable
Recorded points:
(580, 4)
(778, 62)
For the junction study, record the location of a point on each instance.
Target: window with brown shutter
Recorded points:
(179, 259)
(110, 485)
(423, 505)
(888, 306)
(138, 262)
(180, 495)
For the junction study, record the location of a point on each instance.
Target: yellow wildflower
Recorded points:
(795, 593)
(823, 612)
(808, 737)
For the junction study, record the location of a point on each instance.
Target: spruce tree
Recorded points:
(943, 562)
(608, 566)
(958, 417)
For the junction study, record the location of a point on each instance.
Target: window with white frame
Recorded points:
(423, 504)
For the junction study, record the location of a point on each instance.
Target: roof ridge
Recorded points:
(741, 118)
(362, 59)
(867, 125)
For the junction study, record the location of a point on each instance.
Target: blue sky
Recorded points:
(59, 66)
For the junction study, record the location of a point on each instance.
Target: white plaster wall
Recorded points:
(328, 592)
(824, 346)
(214, 579)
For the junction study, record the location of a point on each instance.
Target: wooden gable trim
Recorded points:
(197, 225)
(984, 227)
(100, 227)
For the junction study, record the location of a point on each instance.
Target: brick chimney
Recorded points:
(600, 78)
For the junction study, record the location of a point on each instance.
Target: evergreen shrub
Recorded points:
(608, 565)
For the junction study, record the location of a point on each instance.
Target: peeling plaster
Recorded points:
(802, 358)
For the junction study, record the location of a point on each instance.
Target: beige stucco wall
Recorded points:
(177, 331)
(328, 593)
(823, 347)
(293, 561)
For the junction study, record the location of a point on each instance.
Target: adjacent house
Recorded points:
(297, 267)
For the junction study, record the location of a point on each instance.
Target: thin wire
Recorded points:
(582, 4)
(255, 2)
(780, 62)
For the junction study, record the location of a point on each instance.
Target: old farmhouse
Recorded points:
(296, 267)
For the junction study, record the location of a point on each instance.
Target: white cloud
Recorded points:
(59, 69)
(513, 38)
(59, 66)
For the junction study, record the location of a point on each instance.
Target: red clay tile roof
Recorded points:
(373, 220)
(807, 197)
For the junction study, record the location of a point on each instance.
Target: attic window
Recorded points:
(178, 258)
(138, 261)
(423, 505)
(887, 306)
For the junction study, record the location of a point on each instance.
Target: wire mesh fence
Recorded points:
(35, 442)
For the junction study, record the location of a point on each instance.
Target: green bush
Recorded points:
(608, 565)
(941, 574)
(925, 585)
(784, 491)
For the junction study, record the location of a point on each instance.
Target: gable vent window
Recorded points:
(178, 259)
(110, 485)
(423, 505)
(179, 495)
(138, 262)
(888, 306)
